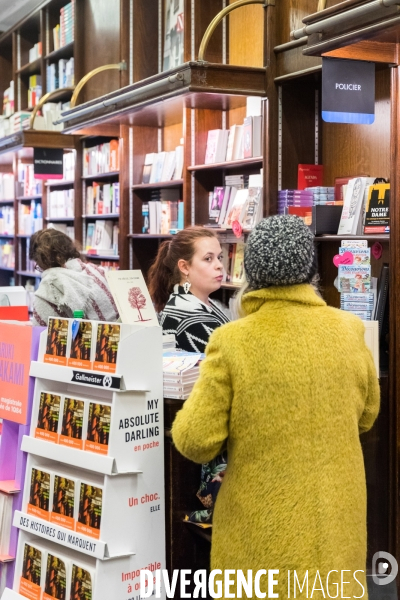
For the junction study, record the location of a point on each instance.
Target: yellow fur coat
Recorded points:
(288, 388)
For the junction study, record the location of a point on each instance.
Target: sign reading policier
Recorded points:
(348, 91)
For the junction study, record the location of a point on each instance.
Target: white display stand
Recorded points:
(131, 474)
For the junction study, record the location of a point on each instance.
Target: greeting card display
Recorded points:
(48, 417)
(57, 341)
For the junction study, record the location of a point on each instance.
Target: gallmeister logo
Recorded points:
(105, 381)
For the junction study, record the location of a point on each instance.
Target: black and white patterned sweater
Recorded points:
(190, 320)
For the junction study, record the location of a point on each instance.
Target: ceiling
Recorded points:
(12, 11)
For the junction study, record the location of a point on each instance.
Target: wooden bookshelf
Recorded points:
(233, 164)
(155, 186)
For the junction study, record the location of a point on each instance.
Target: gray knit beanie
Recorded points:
(280, 251)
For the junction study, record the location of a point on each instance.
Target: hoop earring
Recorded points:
(187, 285)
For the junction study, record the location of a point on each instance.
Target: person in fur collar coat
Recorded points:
(287, 389)
(67, 283)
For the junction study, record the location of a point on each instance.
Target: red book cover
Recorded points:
(309, 176)
(14, 313)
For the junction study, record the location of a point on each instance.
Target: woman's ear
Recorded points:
(183, 267)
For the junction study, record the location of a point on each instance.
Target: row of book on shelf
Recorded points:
(164, 213)
(239, 141)
(30, 217)
(60, 74)
(63, 32)
(102, 198)
(102, 237)
(163, 166)
(240, 200)
(103, 158)
(60, 203)
(7, 254)
(20, 120)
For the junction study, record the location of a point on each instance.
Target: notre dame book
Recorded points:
(48, 417)
(39, 494)
(90, 506)
(377, 215)
(98, 431)
(81, 584)
(108, 336)
(57, 341)
(81, 344)
(56, 579)
(72, 423)
(31, 573)
(63, 511)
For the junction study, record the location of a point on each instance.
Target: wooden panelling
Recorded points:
(145, 33)
(368, 50)
(360, 149)
(246, 36)
(172, 137)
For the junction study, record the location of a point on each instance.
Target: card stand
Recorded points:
(129, 470)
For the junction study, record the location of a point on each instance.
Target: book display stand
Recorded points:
(92, 513)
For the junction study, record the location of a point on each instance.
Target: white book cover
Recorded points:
(352, 205)
(237, 143)
(229, 148)
(238, 207)
(160, 166)
(103, 235)
(212, 146)
(179, 162)
(225, 204)
(169, 166)
(132, 297)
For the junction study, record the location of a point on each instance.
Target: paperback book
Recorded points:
(31, 573)
(63, 502)
(90, 507)
(108, 336)
(377, 210)
(56, 579)
(57, 342)
(81, 344)
(39, 494)
(81, 583)
(72, 423)
(48, 417)
(132, 297)
(353, 279)
(98, 430)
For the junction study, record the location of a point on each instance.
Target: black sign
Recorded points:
(105, 381)
(48, 163)
(348, 91)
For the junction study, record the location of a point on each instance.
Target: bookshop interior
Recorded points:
(213, 182)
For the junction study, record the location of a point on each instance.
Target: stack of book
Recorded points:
(240, 141)
(163, 166)
(61, 203)
(7, 220)
(35, 52)
(27, 185)
(102, 237)
(63, 33)
(35, 90)
(323, 195)
(101, 159)
(357, 290)
(19, 121)
(102, 198)
(164, 213)
(60, 74)
(180, 372)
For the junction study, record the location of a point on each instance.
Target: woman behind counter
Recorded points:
(186, 271)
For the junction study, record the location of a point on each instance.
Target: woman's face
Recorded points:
(205, 270)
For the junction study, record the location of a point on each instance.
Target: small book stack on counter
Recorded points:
(180, 371)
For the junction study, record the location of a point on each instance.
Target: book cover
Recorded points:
(252, 211)
(56, 579)
(145, 218)
(238, 266)
(39, 494)
(353, 279)
(81, 584)
(72, 423)
(352, 205)
(173, 34)
(238, 207)
(377, 213)
(98, 429)
(248, 137)
(148, 162)
(48, 417)
(211, 148)
(63, 502)
(216, 203)
(108, 336)
(90, 507)
(31, 573)
(81, 344)
(57, 341)
(309, 176)
(132, 297)
(361, 256)
(102, 239)
(89, 235)
(231, 139)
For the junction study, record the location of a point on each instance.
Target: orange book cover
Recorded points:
(114, 155)
(72, 423)
(55, 587)
(39, 494)
(63, 502)
(108, 336)
(57, 339)
(29, 586)
(81, 346)
(81, 584)
(98, 432)
(90, 507)
(48, 417)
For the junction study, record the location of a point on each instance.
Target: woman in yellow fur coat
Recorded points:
(288, 389)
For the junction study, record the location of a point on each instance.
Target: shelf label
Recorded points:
(48, 163)
(104, 381)
(59, 535)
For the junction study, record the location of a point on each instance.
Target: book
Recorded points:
(238, 265)
(148, 162)
(55, 586)
(179, 162)
(216, 203)
(145, 218)
(352, 205)
(108, 336)
(98, 428)
(236, 210)
(31, 572)
(383, 297)
(238, 143)
(102, 239)
(231, 139)
(39, 494)
(81, 344)
(354, 278)
(48, 417)
(72, 423)
(81, 583)
(173, 34)
(132, 297)
(217, 140)
(377, 209)
(361, 256)
(225, 204)
(309, 175)
(254, 206)
(63, 512)
(57, 341)
(248, 137)
(90, 508)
